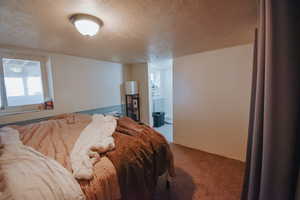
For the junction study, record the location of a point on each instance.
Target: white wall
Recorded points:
(80, 84)
(212, 100)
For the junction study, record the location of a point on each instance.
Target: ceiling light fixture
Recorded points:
(85, 24)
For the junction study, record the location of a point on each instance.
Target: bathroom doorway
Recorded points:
(161, 97)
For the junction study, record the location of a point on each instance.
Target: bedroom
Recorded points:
(63, 74)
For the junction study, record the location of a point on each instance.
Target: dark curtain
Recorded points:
(273, 156)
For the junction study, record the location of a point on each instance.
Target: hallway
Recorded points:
(167, 131)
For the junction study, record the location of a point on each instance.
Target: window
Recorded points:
(23, 84)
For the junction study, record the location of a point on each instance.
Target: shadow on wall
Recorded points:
(122, 92)
(182, 187)
(126, 76)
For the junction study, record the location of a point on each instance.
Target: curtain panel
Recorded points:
(273, 155)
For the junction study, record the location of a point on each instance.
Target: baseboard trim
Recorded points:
(117, 109)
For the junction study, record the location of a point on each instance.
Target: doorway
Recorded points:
(161, 97)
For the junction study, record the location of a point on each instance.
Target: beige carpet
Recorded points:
(202, 176)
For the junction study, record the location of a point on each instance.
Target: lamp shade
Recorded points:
(85, 24)
(87, 27)
(131, 87)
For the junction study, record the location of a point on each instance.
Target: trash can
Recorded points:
(158, 119)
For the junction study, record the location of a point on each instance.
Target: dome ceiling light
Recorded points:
(85, 24)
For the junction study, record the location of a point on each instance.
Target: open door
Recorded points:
(161, 97)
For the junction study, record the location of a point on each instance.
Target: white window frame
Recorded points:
(8, 110)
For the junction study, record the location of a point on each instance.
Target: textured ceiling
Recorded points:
(133, 31)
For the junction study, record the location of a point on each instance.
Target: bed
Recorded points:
(130, 172)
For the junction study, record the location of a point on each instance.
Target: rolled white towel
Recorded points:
(94, 139)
